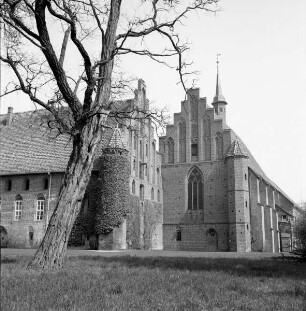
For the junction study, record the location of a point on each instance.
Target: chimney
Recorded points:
(9, 115)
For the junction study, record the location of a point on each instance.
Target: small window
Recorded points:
(158, 196)
(284, 217)
(18, 207)
(27, 184)
(178, 234)
(31, 233)
(246, 203)
(141, 171)
(141, 192)
(9, 185)
(152, 194)
(133, 187)
(194, 150)
(245, 176)
(146, 150)
(46, 183)
(40, 207)
(134, 165)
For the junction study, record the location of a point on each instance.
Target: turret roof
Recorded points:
(236, 150)
(219, 96)
(116, 141)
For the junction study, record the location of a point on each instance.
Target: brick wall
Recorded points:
(18, 232)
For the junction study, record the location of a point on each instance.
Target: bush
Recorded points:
(300, 234)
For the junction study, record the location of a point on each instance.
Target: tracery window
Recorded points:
(195, 190)
(18, 207)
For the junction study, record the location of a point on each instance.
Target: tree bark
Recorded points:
(52, 249)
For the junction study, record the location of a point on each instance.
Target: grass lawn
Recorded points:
(160, 283)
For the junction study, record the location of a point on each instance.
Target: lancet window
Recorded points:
(182, 141)
(195, 190)
(170, 150)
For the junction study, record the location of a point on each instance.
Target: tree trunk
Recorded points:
(52, 249)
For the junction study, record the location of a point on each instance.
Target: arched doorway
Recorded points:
(211, 240)
(3, 237)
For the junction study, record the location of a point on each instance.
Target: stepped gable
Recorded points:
(236, 150)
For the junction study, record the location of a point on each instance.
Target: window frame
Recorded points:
(17, 209)
(40, 209)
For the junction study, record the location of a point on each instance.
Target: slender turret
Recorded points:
(219, 101)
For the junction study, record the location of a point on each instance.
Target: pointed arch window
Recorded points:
(170, 150)
(219, 146)
(18, 207)
(195, 190)
(182, 141)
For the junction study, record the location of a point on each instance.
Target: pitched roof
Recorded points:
(28, 145)
(256, 168)
(236, 150)
(116, 140)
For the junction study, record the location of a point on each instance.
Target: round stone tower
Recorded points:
(110, 222)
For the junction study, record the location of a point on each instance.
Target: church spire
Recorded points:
(218, 97)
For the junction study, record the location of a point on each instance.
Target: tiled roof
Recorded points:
(236, 150)
(254, 166)
(28, 145)
(116, 140)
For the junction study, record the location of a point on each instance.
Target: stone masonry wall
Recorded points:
(18, 231)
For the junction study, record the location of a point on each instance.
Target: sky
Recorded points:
(263, 75)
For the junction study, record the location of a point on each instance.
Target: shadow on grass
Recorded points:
(241, 267)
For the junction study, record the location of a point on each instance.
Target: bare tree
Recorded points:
(118, 29)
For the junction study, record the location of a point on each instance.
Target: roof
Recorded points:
(255, 167)
(236, 150)
(28, 145)
(116, 140)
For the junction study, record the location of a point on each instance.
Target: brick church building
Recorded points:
(203, 190)
(216, 196)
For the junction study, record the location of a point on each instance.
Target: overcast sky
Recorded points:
(263, 73)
